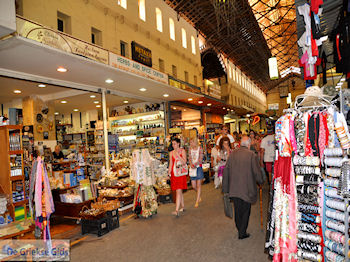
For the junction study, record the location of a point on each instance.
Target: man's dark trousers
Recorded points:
(242, 213)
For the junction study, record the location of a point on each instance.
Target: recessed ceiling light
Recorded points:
(142, 89)
(224, 108)
(190, 99)
(56, 113)
(61, 69)
(185, 110)
(41, 85)
(125, 101)
(75, 110)
(98, 105)
(200, 102)
(109, 81)
(96, 102)
(208, 104)
(228, 109)
(166, 95)
(93, 96)
(174, 108)
(64, 102)
(248, 115)
(17, 91)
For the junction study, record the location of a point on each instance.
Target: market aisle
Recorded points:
(202, 234)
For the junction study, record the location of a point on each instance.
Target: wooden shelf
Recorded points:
(64, 162)
(20, 203)
(131, 116)
(15, 152)
(12, 127)
(141, 123)
(30, 229)
(16, 178)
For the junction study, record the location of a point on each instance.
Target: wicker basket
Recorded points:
(164, 191)
(92, 215)
(106, 205)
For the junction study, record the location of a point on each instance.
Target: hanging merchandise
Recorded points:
(145, 201)
(40, 200)
(311, 39)
(308, 218)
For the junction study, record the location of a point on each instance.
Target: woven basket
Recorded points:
(164, 191)
(96, 214)
(106, 205)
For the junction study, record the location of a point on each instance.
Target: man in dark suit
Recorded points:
(241, 175)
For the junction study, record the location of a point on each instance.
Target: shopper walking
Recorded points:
(196, 170)
(254, 143)
(225, 133)
(177, 173)
(224, 152)
(268, 152)
(241, 174)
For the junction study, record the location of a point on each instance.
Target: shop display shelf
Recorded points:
(20, 203)
(16, 178)
(15, 152)
(20, 233)
(140, 123)
(132, 116)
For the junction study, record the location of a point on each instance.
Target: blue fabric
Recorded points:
(200, 174)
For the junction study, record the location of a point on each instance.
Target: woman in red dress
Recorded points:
(178, 183)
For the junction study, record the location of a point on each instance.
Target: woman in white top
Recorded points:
(196, 170)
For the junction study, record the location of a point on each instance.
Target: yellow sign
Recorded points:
(61, 41)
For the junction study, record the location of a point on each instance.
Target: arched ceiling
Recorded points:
(248, 32)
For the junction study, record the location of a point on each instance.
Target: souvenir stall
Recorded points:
(145, 202)
(307, 217)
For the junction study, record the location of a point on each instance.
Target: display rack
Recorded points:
(139, 130)
(11, 168)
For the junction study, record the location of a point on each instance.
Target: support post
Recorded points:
(105, 129)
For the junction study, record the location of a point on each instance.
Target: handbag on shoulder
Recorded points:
(180, 169)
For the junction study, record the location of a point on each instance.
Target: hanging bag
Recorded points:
(228, 208)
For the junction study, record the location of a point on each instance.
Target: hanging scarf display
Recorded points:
(143, 175)
(40, 200)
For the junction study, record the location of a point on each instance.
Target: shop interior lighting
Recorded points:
(273, 68)
(190, 99)
(166, 95)
(109, 81)
(92, 96)
(228, 109)
(17, 91)
(64, 102)
(61, 69)
(208, 104)
(96, 102)
(248, 115)
(185, 110)
(75, 110)
(200, 102)
(143, 89)
(98, 105)
(174, 108)
(224, 108)
(56, 113)
(41, 85)
(125, 101)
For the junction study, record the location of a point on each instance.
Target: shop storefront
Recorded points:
(99, 107)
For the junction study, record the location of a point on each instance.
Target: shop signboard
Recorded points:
(141, 54)
(60, 41)
(274, 106)
(175, 130)
(215, 91)
(183, 85)
(131, 66)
